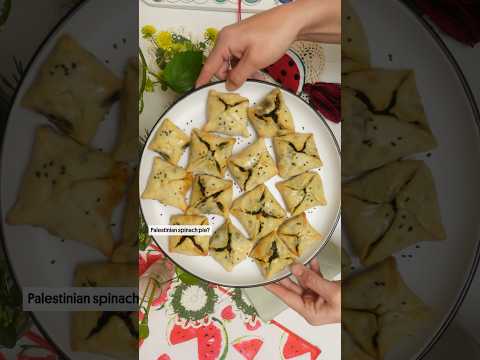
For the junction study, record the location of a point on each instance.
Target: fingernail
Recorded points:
(297, 270)
(230, 86)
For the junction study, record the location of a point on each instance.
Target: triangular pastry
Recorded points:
(297, 233)
(169, 142)
(227, 114)
(271, 116)
(381, 292)
(73, 89)
(383, 120)
(194, 245)
(228, 245)
(111, 333)
(70, 190)
(168, 184)
(209, 153)
(302, 192)
(271, 255)
(210, 195)
(295, 154)
(252, 166)
(390, 209)
(258, 211)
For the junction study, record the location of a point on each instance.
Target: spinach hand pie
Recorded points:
(227, 114)
(258, 212)
(398, 313)
(302, 192)
(228, 246)
(271, 117)
(70, 190)
(209, 153)
(195, 245)
(296, 153)
(169, 142)
(298, 234)
(383, 120)
(168, 184)
(210, 195)
(126, 147)
(272, 255)
(390, 209)
(252, 166)
(112, 333)
(73, 89)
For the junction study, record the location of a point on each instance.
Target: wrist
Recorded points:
(320, 20)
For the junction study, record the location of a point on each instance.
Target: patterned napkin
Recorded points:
(326, 99)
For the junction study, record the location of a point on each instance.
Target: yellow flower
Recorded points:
(148, 31)
(211, 34)
(164, 40)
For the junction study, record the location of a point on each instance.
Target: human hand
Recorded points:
(257, 42)
(316, 299)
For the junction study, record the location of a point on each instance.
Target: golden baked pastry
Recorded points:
(383, 119)
(168, 184)
(302, 192)
(73, 90)
(252, 166)
(70, 190)
(271, 116)
(228, 245)
(272, 255)
(391, 208)
(195, 245)
(258, 211)
(112, 333)
(299, 236)
(169, 142)
(209, 153)
(373, 301)
(227, 114)
(296, 153)
(210, 195)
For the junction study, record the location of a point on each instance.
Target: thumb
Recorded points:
(315, 282)
(240, 73)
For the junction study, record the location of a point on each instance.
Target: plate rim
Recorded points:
(337, 148)
(420, 18)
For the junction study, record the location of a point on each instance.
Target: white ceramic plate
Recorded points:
(189, 113)
(439, 272)
(36, 257)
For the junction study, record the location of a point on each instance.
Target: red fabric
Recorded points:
(458, 18)
(326, 99)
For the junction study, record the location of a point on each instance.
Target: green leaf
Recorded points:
(186, 277)
(143, 331)
(182, 71)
